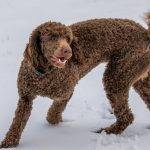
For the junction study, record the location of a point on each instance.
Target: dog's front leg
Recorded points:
(22, 114)
(54, 114)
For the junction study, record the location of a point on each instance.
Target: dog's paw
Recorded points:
(54, 120)
(113, 129)
(8, 144)
(106, 130)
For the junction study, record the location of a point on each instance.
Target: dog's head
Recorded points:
(52, 44)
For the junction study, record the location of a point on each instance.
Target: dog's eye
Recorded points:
(54, 37)
(68, 39)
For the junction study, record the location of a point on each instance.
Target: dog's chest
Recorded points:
(57, 84)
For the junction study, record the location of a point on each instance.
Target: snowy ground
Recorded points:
(88, 109)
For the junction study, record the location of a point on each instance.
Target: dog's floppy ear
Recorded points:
(34, 51)
(77, 54)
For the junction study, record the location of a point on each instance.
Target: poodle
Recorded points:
(58, 56)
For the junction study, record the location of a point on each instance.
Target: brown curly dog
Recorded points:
(58, 56)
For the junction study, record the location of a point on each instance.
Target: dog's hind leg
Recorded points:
(118, 78)
(117, 91)
(22, 114)
(54, 114)
(142, 87)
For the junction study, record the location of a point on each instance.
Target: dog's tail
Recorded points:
(147, 19)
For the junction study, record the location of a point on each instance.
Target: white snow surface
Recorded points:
(88, 109)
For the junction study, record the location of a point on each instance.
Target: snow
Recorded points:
(88, 109)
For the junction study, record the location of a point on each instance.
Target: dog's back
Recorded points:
(106, 39)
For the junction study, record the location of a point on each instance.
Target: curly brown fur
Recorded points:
(122, 43)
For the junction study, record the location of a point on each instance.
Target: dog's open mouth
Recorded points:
(62, 60)
(58, 61)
